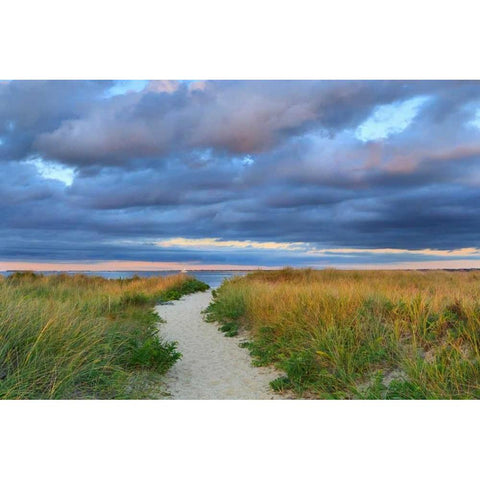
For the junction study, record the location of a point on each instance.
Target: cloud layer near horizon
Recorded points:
(240, 172)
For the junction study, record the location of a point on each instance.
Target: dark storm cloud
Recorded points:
(31, 108)
(233, 117)
(260, 161)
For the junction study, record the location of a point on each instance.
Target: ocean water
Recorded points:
(212, 278)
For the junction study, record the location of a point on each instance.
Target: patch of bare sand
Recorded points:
(213, 366)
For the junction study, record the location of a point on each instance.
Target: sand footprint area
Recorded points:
(212, 366)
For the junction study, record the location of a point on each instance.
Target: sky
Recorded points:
(148, 175)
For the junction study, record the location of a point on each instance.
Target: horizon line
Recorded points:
(142, 266)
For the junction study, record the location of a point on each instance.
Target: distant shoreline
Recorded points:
(246, 270)
(133, 271)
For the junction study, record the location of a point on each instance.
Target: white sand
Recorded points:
(213, 366)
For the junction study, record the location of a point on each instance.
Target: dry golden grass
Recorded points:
(361, 334)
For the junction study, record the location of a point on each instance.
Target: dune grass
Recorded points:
(69, 337)
(360, 334)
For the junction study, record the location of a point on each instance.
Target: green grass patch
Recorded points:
(227, 310)
(72, 337)
(191, 285)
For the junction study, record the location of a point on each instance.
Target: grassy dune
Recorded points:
(65, 337)
(353, 334)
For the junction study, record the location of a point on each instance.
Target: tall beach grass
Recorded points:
(68, 337)
(360, 334)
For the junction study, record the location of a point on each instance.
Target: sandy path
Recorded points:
(213, 366)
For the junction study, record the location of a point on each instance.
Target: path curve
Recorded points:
(213, 366)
